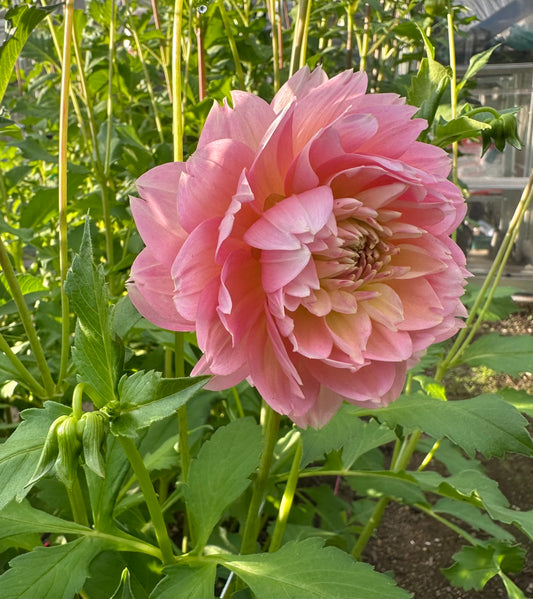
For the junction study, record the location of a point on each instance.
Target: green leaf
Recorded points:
(513, 592)
(20, 453)
(95, 353)
(25, 19)
(20, 518)
(402, 487)
(509, 354)
(475, 64)
(146, 397)
(124, 588)
(482, 491)
(472, 516)
(307, 570)
(476, 565)
(221, 473)
(429, 83)
(50, 572)
(347, 432)
(462, 127)
(187, 582)
(27, 283)
(486, 423)
(520, 399)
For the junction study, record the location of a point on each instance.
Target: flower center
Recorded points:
(357, 254)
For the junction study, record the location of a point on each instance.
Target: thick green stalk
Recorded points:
(370, 526)
(177, 107)
(77, 503)
(298, 36)
(453, 89)
(107, 155)
(62, 183)
(303, 50)
(26, 319)
(231, 41)
(270, 435)
(363, 49)
(150, 497)
(276, 58)
(288, 498)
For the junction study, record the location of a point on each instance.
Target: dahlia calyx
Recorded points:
(307, 242)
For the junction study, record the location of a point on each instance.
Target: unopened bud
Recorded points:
(69, 448)
(93, 436)
(49, 453)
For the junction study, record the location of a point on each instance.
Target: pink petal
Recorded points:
(385, 305)
(241, 298)
(311, 337)
(282, 227)
(280, 267)
(211, 179)
(246, 122)
(151, 290)
(298, 86)
(223, 357)
(385, 345)
(350, 333)
(194, 267)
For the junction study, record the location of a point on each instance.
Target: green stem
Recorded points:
(365, 40)
(150, 497)
(62, 183)
(271, 5)
(453, 89)
(238, 402)
(489, 286)
(77, 502)
(298, 36)
(107, 155)
(25, 376)
(231, 41)
(251, 529)
(147, 80)
(303, 50)
(126, 542)
(483, 109)
(287, 499)
(429, 456)
(450, 525)
(177, 107)
(371, 525)
(164, 61)
(399, 463)
(25, 317)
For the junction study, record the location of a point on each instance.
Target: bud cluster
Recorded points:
(68, 439)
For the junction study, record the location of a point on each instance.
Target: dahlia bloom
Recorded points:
(306, 241)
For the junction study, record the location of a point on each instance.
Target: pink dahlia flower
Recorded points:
(306, 241)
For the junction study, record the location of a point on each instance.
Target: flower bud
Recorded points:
(69, 447)
(93, 436)
(436, 8)
(49, 452)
